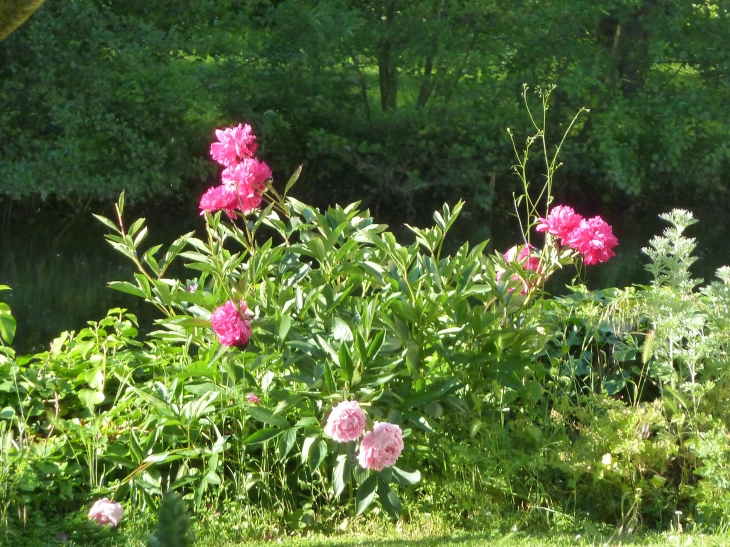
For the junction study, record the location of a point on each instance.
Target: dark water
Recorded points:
(58, 265)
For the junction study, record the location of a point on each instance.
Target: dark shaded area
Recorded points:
(58, 266)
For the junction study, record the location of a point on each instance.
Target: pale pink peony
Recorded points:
(219, 198)
(235, 144)
(251, 398)
(230, 325)
(561, 221)
(594, 239)
(346, 422)
(380, 447)
(106, 512)
(523, 255)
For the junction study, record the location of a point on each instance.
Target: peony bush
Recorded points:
(298, 320)
(314, 367)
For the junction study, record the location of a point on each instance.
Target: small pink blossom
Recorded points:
(561, 221)
(230, 325)
(524, 256)
(106, 512)
(217, 198)
(381, 447)
(594, 239)
(235, 144)
(346, 422)
(251, 398)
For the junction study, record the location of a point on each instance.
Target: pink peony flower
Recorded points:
(594, 239)
(380, 447)
(346, 422)
(523, 255)
(235, 144)
(250, 173)
(230, 325)
(561, 221)
(106, 512)
(217, 198)
(248, 180)
(251, 398)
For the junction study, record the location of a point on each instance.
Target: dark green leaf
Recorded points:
(389, 499)
(267, 416)
(365, 494)
(263, 435)
(341, 474)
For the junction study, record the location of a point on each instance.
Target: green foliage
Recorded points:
(661, 353)
(13, 13)
(400, 104)
(93, 103)
(7, 323)
(173, 527)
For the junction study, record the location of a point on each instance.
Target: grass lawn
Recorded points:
(78, 531)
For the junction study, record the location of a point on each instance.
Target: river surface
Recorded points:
(58, 265)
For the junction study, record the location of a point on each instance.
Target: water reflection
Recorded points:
(58, 268)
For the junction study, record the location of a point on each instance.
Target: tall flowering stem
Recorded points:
(569, 237)
(531, 203)
(245, 181)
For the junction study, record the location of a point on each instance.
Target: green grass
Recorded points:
(236, 530)
(516, 540)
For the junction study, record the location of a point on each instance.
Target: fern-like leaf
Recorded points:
(173, 526)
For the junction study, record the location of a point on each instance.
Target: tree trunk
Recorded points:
(426, 83)
(387, 68)
(388, 73)
(629, 45)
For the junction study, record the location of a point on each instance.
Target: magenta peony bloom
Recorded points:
(250, 173)
(561, 221)
(251, 398)
(248, 180)
(380, 447)
(523, 255)
(346, 422)
(106, 512)
(594, 239)
(230, 325)
(235, 144)
(217, 198)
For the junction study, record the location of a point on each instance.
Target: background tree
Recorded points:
(401, 104)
